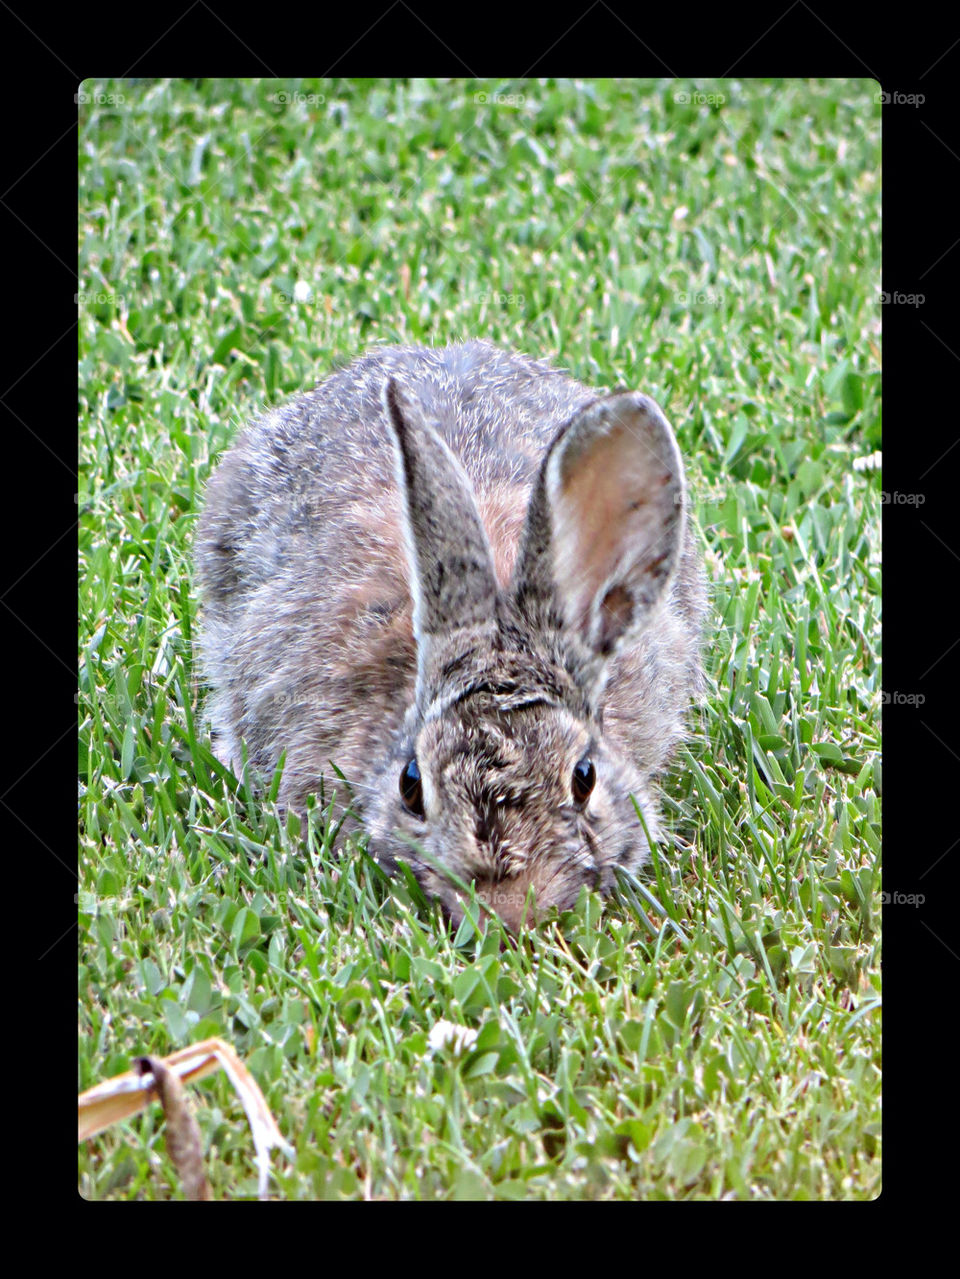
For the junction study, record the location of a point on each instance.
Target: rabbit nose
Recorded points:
(507, 899)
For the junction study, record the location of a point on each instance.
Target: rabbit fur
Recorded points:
(466, 581)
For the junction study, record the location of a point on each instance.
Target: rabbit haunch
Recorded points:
(466, 581)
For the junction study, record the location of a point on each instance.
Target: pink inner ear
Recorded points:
(611, 512)
(616, 614)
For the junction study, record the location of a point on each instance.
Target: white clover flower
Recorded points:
(445, 1034)
(302, 291)
(872, 462)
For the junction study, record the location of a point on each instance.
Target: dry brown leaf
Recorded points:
(127, 1094)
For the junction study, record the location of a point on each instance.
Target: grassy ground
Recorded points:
(716, 1031)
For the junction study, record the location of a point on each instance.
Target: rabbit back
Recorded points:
(307, 637)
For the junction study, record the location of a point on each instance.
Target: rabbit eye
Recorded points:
(411, 789)
(584, 778)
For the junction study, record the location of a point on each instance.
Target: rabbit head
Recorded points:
(502, 776)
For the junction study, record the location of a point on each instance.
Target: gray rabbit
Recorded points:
(467, 582)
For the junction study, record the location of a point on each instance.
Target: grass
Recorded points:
(715, 1031)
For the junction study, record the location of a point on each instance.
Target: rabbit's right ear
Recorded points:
(451, 565)
(605, 527)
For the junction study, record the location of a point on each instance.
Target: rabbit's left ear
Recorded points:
(605, 524)
(452, 578)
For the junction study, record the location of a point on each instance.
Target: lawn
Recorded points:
(714, 1032)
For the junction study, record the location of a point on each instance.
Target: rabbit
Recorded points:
(465, 583)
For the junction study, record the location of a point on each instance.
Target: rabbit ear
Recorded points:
(605, 525)
(452, 575)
